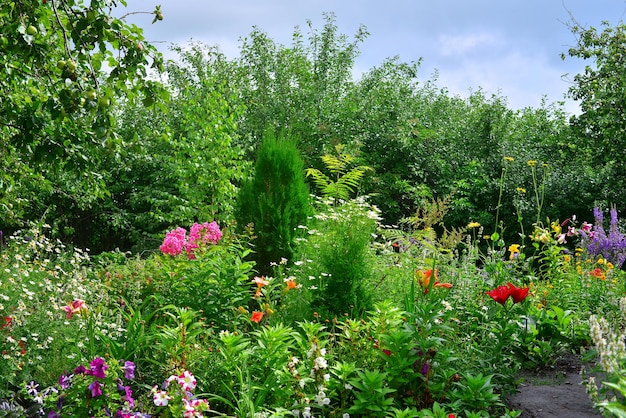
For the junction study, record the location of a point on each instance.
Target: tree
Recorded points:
(601, 91)
(63, 66)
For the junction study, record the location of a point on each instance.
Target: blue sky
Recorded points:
(511, 48)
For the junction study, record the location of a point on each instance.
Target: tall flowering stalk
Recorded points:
(611, 246)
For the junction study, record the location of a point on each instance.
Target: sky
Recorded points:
(509, 48)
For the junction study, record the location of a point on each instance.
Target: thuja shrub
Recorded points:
(275, 201)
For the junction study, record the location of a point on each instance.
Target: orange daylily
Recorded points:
(424, 277)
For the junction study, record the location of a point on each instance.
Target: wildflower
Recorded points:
(161, 398)
(260, 281)
(96, 388)
(514, 249)
(508, 159)
(531, 163)
(128, 396)
(256, 316)
(291, 284)
(473, 224)
(97, 368)
(424, 277)
(75, 307)
(65, 380)
(520, 190)
(187, 381)
(502, 293)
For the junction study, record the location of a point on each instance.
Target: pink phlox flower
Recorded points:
(187, 381)
(74, 307)
(174, 242)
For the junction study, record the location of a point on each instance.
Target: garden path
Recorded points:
(554, 393)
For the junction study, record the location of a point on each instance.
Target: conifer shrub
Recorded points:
(275, 201)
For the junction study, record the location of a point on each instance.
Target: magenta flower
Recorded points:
(64, 381)
(97, 368)
(80, 370)
(129, 396)
(174, 242)
(96, 388)
(74, 307)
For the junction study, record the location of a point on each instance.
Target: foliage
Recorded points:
(601, 124)
(64, 66)
(344, 183)
(274, 202)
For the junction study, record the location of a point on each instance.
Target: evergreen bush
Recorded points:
(275, 201)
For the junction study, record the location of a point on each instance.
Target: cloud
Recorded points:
(462, 44)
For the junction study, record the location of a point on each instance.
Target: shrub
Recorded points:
(275, 201)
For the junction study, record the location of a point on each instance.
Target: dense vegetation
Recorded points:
(441, 227)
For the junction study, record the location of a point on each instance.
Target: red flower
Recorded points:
(5, 322)
(598, 274)
(500, 294)
(518, 294)
(256, 316)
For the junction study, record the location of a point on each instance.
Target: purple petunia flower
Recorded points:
(65, 381)
(129, 369)
(97, 368)
(96, 388)
(80, 370)
(129, 397)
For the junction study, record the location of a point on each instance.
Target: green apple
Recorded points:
(31, 30)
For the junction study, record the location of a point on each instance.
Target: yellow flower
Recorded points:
(473, 225)
(600, 260)
(521, 190)
(531, 163)
(509, 159)
(556, 227)
(514, 250)
(544, 165)
(567, 258)
(609, 266)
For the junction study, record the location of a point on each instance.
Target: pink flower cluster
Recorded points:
(176, 241)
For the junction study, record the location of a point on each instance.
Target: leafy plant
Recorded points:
(345, 179)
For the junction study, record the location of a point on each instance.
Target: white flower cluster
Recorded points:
(608, 341)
